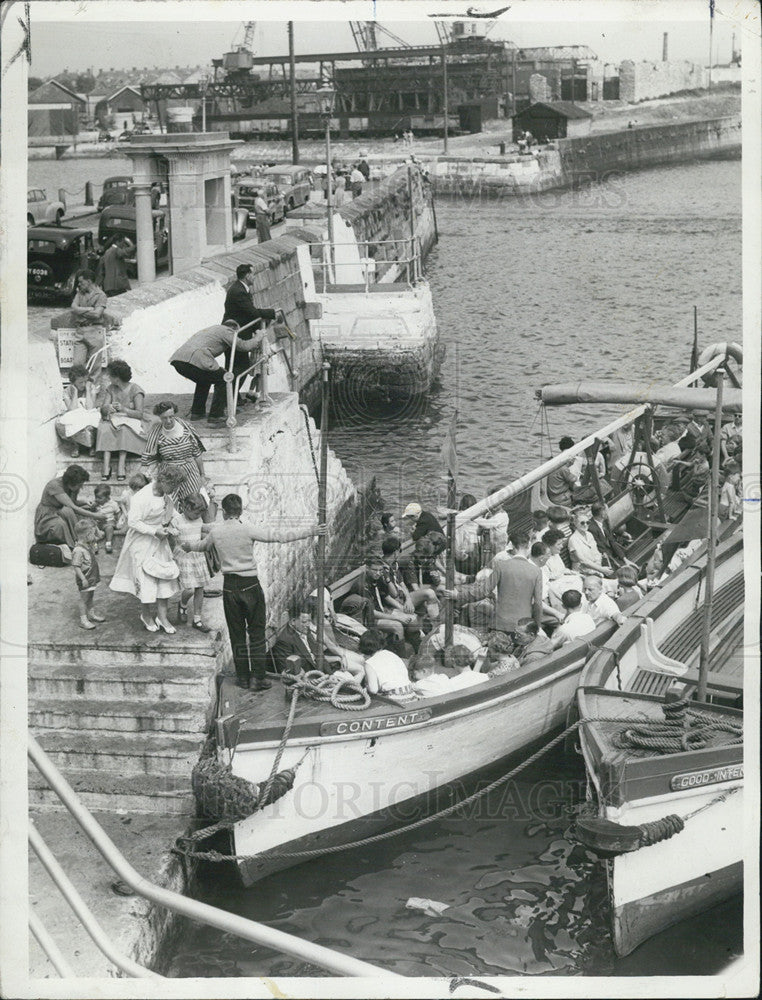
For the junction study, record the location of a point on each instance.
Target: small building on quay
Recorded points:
(54, 109)
(548, 120)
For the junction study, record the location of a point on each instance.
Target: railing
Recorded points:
(248, 930)
(401, 257)
(234, 380)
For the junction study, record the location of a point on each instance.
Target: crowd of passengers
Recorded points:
(522, 594)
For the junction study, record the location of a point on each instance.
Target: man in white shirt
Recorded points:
(576, 624)
(600, 606)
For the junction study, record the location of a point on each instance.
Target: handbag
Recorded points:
(161, 569)
(48, 554)
(213, 560)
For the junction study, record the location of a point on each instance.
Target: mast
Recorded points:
(712, 510)
(322, 514)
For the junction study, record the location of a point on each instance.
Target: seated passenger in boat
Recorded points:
(467, 547)
(385, 672)
(730, 502)
(731, 438)
(420, 569)
(583, 549)
(539, 554)
(576, 624)
(600, 606)
(561, 483)
(426, 681)
(496, 522)
(389, 524)
(629, 592)
(698, 433)
(600, 528)
(559, 520)
(373, 589)
(461, 660)
(691, 478)
(417, 522)
(415, 601)
(530, 643)
(540, 525)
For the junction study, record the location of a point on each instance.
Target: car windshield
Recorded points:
(117, 184)
(285, 179)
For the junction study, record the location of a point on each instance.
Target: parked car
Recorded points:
(54, 257)
(246, 192)
(116, 191)
(125, 136)
(293, 182)
(119, 220)
(40, 208)
(104, 136)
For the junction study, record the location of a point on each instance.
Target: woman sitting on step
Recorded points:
(121, 429)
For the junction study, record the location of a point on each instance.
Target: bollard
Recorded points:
(502, 149)
(89, 193)
(62, 196)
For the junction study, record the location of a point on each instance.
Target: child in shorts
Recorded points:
(194, 570)
(112, 511)
(86, 571)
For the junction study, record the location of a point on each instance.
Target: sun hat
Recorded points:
(412, 510)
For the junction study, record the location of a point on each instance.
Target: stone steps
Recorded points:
(121, 716)
(102, 790)
(151, 683)
(163, 651)
(121, 753)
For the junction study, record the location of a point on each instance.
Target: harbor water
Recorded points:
(594, 283)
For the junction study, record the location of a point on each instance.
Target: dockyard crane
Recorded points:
(240, 59)
(366, 38)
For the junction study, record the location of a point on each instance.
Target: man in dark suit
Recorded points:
(518, 582)
(600, 529)
(239, 306)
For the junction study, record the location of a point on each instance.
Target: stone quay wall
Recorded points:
(585, 158)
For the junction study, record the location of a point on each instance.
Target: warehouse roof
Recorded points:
(564, 108)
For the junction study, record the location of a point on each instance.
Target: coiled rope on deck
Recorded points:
(341, 691)
(683, 729)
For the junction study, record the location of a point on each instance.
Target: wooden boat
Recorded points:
(653, 886)
(663, 742)
(357, 772)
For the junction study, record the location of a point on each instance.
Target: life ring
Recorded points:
(722, 349)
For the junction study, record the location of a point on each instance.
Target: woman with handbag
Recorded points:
(146, 567)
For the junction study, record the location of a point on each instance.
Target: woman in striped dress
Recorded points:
(172, 443)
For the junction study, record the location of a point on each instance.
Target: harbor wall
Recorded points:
(585, 158)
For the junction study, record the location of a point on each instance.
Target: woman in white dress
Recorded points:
(79, 421)
(146, 567)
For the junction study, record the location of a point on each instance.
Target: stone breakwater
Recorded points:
(569, 162)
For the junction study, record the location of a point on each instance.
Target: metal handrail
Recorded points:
(410, 263)
(48, 945)
(82, 911)
(249, 930)
(233, 382)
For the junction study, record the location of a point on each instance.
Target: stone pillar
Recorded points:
(144, 227)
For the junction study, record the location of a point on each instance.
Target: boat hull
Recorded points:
(657, 886)
(343, 790)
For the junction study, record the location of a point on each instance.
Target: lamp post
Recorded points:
(326, 97)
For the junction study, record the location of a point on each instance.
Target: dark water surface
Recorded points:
(589, 284)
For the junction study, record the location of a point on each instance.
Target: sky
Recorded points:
(101, 34)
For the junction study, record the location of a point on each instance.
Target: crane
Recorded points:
(366, 39)
(240, 59)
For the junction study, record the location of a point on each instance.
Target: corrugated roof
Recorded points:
(565, 108)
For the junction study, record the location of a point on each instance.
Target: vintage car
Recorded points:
(293, 182)
(55, 256)
(246, 192)
(119, 220)
(40, 208)
(116, 191)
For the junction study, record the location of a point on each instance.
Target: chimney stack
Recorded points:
(665, 48)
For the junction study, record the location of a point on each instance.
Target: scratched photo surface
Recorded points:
(472, 238)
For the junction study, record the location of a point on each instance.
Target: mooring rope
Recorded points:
(651, 833)
(328, 687)
(683, 729)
